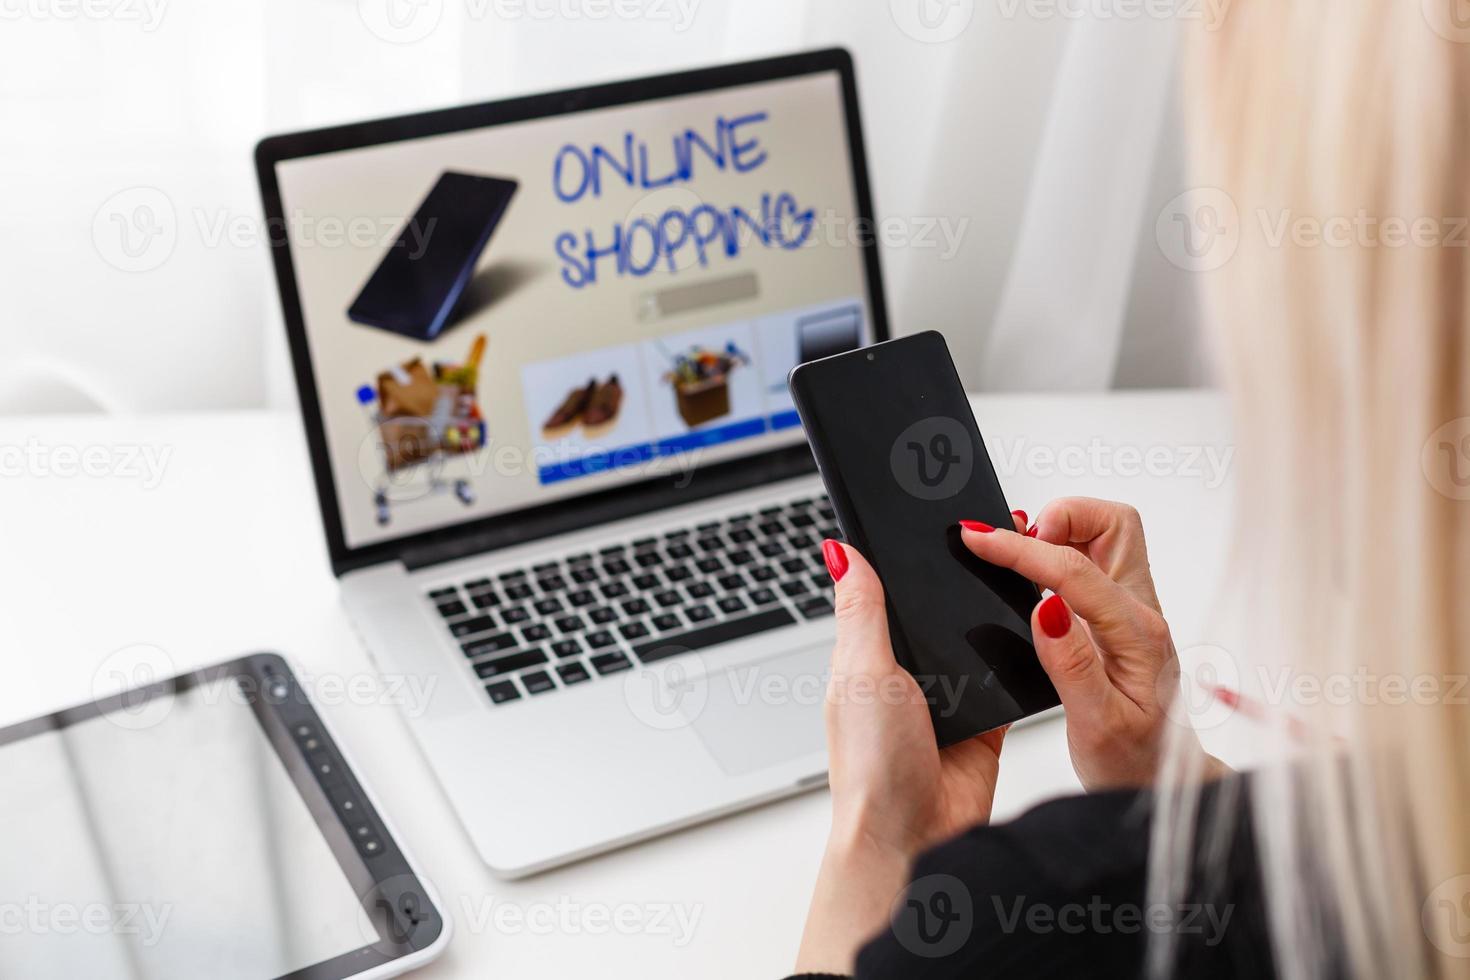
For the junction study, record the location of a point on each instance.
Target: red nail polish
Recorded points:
(1031, 531)
(1054, 616)
(1225, 696)
(1020, 516)
(835, 558)
(980, 526)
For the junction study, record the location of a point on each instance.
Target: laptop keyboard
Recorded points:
(547, 626)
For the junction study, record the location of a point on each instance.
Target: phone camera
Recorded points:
(870, 357)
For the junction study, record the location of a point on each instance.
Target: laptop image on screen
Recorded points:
(563, 484)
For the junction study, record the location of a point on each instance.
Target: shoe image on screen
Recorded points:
(603, 408)
(416, 287)
(570, 411)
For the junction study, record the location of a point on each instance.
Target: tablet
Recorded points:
(207, 825)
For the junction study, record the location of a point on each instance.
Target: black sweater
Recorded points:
(1061, 892)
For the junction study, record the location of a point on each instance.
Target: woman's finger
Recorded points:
(1107, 606)
(977, 754)
(862, 619)
(1078, 520)
(1109, 533)
(1072, 663)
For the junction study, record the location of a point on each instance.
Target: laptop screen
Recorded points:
(504, 317)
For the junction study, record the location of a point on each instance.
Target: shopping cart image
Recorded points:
(419, 420)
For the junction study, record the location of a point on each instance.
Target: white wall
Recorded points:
(161, 102)
(91, 107)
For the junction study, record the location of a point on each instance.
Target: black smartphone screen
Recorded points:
(415, 288)
(896, 441)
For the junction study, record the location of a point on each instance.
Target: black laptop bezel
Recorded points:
(513, 527)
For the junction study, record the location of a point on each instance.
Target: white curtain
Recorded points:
(1059, 322)
(1043, 143)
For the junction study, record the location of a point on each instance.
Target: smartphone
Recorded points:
(896, 443)
(416, 287)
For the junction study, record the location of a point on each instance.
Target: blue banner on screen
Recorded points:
(642, 453)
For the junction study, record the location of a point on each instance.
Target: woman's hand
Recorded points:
(894, 792)
(1115, 668)
(891, 784)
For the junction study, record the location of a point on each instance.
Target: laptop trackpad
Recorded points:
(764, 713)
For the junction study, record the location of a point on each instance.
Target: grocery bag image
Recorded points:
(422, 418)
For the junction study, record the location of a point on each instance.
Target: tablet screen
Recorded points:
(170, 840)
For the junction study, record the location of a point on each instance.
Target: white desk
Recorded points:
(224, 555)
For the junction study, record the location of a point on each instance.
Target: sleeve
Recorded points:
(1019, 900)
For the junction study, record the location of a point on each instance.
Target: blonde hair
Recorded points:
(1346, 359)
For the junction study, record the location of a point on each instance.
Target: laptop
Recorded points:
(581, 511)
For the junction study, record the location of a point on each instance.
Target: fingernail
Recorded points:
(1055, 617)
(1031, 531)
(835, 558)
(980, 526)
(1020, 516)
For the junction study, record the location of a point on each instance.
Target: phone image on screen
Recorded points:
(415, 288)
(903, 461)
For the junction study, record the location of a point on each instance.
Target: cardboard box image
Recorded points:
(701, 382)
